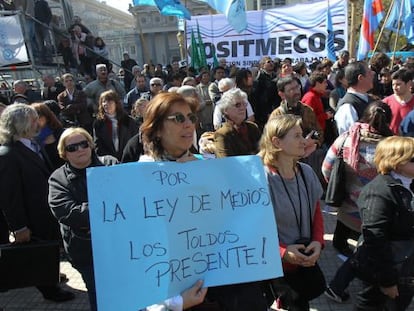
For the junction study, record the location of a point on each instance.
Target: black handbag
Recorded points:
(29, 264)
(305, 282)
(336, 189)
(365, 267)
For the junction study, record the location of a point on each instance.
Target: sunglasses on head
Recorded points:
(180, 118)
(75, 147)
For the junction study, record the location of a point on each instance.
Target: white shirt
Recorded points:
(346, 115)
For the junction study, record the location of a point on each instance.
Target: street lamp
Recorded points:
(180, 39)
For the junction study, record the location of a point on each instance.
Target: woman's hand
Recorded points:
(391, 292)
(295, 254)
(314, 251)
(22, 236)
(194, 295)
(310, 146)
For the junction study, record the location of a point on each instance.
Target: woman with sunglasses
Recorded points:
(113, 127)
(68, 200)
(167, 134)
(236, 136)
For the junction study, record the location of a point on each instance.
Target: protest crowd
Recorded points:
(300, 119)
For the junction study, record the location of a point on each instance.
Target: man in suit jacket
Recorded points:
(73, 105)
(24, 173)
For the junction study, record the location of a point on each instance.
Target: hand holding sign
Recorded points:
(157, 228)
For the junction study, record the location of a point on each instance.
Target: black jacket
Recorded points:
(68, 200)
(24, 191)
(133, 149)
(127, 127)
(387, 215)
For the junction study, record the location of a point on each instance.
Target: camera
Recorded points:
(315, 135)
(306, 242)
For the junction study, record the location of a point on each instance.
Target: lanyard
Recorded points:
(298, 219)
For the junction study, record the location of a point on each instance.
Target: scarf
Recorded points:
(357, 133)
(44, 133)
(405, 181)
(114, 123)
(168, 157)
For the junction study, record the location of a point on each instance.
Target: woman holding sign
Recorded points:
(167, 134)
(295, 191)
(68, 200)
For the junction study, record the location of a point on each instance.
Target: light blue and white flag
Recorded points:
(167, 7)
(12, 47)
(330, 47)
(234, 10)
(401, 12)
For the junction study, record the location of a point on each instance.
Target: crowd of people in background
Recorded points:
(298, 118)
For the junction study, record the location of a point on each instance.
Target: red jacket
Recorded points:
(313, 99)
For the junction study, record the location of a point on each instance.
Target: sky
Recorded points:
(122, 5)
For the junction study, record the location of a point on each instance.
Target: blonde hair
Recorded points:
(392, 152)
(70, 132)
(277, 126)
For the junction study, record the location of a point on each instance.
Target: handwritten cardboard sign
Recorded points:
(159, 227)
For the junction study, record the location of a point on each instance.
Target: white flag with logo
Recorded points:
(12, 47)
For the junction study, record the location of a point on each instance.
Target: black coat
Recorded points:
(68, 200)
(24, 191)
(387, 215)
(133, 150)
(127, 127)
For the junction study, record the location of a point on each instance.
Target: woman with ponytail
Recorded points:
(358, 148)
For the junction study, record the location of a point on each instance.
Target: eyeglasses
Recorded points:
(240, 104)
(75, 147)
(155, 84)
(180, 118)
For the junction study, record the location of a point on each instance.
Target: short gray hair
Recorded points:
(226, 82)
(230, 97)
(157, 80)
(15, 122)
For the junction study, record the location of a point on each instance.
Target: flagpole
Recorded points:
(383, 25)
(185, 41)
(353, 29)
(397, 35)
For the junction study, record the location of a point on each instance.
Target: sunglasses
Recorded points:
(75, 147)
(180, 118)
(155, 84)
(240, 104)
